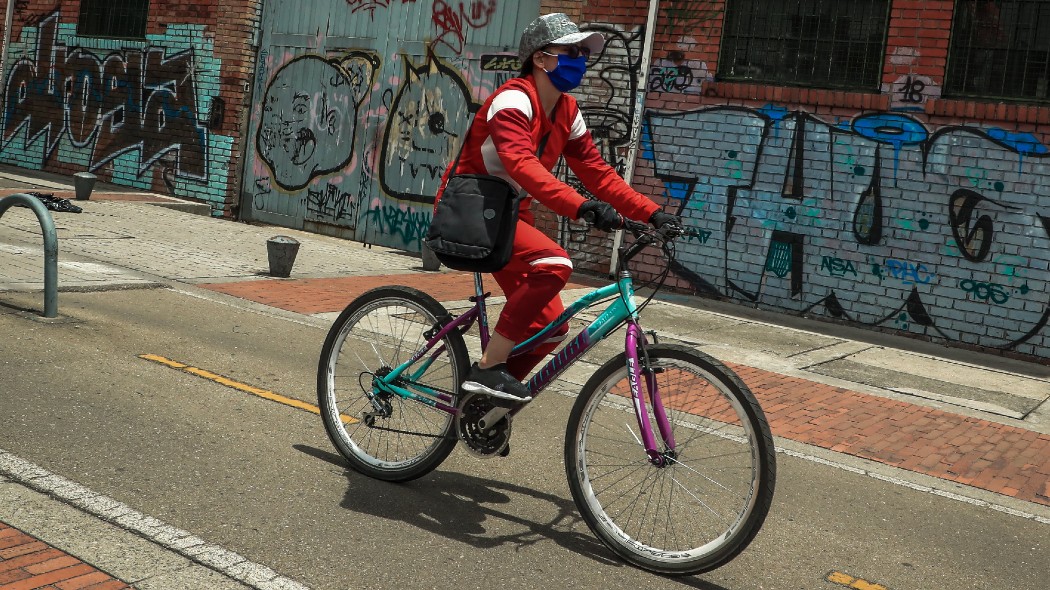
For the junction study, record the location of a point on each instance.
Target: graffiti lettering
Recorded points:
(262, 190)
(500, 63)
(411, 226)
(332, 204)
(135, 100)
(692, 17)
(452, 21)
(973, 233)
(985, 291)
(908, 272)
(670, 78)
(837, 267)
(697, 235)
(879, 173)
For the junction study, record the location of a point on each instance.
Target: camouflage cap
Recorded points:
(555, 29)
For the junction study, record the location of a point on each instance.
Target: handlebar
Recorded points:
(644, 234)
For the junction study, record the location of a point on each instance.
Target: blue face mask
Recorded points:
(569, 72)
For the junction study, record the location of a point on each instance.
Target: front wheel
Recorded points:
(711, 496)
(380, 433)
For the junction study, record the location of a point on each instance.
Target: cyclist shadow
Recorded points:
(457, 505)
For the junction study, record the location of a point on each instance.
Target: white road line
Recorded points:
(182, 542)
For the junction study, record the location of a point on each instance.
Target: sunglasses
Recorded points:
(573, 51)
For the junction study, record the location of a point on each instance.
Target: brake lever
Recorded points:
(670, 231)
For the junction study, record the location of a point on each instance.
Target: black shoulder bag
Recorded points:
(475, 220)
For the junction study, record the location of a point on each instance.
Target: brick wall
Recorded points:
(162, 114)
(899, 210)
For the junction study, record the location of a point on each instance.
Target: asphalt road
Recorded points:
(261, 479)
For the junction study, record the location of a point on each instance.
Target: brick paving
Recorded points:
(310, 296)
(27, 563)
(970, 451)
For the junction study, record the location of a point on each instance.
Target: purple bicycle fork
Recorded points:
(635, 336)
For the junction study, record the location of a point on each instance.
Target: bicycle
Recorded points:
(682, 498)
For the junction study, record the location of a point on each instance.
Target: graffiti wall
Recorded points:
(353, 129)
(138, 113)
(876, 220)
(829, 206)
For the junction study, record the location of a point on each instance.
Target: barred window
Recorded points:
(121, 19)
(999, 49)
(816, 43)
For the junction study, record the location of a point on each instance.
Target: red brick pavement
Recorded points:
(27, 563)
(311, 296)
(987, 455)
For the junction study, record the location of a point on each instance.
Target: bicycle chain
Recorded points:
(399, 431)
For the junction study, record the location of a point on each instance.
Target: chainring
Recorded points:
(482, 443)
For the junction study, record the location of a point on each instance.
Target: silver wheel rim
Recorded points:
(353, 400)
(743, 496)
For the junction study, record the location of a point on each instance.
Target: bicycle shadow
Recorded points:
(457, 506)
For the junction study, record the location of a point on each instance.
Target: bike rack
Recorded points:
(47, 227)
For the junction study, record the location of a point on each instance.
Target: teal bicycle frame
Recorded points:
(622, 309)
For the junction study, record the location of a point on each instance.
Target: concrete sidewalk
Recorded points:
(974, 420)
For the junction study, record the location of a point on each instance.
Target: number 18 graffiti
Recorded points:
(912, 90)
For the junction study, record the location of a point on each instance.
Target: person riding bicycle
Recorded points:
(503, 141)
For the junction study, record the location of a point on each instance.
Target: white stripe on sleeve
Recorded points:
(510, 99)
(579, 127)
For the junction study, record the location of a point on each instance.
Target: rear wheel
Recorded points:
(380, 433)
(708, 501)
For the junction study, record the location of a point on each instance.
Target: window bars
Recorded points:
(121, 19)
(816, 43)
(999, 49)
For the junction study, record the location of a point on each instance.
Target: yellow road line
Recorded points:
(256, 391)
(849, 581)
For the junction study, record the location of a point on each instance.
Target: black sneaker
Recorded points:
(496, 382)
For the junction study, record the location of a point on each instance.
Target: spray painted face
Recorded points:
(310, 114)
(427, 121)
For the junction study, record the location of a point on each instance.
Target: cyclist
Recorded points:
(503, 141)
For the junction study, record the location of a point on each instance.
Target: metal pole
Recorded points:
(47, 228)
(8, 17)
(639, 106)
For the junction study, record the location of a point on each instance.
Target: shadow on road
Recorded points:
(456, 506)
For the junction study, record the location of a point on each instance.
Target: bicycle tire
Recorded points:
(720, 433)
(379, 330)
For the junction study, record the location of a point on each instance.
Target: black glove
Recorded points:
(600, 214)
(660, 219)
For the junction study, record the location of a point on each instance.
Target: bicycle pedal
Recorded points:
(505, 451)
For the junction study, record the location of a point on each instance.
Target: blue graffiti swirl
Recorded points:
(774, 112)
(891, 129)
(1023, 143)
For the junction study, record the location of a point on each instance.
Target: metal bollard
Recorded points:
(84, 183)
(281, 252)
(47, 228)
(430, 260)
